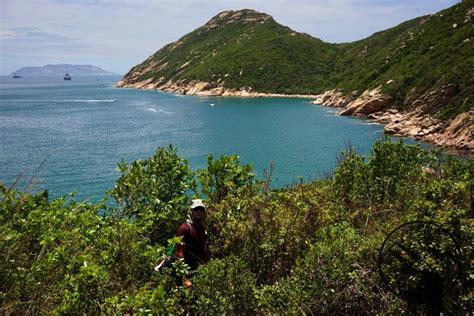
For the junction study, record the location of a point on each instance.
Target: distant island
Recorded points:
(415, 78)
(60, 70)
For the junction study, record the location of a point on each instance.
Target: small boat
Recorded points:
(16, 76)
(211, 103)
(67, 76)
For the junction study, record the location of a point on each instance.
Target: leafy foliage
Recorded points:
(224, 286)
(309, 248)
(153, 191)
(225, 176)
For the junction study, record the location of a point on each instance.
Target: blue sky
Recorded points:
(118, 34)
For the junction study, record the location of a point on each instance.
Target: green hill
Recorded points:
(245, 49)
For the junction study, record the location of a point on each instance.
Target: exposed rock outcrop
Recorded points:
(369, 102)
(458, 133)
(332, 98)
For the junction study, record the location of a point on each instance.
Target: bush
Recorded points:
(153, 192)
(225, 176)
(224, 286)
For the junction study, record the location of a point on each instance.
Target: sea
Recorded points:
(68, 136)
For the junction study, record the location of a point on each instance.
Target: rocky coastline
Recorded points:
(205, 89)
(417, 122)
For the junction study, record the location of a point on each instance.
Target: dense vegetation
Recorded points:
(253, 51)
(308, 248)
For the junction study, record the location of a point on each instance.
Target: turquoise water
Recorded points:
(68, 136)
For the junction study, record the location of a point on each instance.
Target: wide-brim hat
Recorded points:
(197, 203)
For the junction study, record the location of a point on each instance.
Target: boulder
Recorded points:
(457, 133)
(426, 122)
(143, 84)
(216, 91)
(412, 131)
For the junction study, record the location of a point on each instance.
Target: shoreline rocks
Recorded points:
(205, 89)
(417, 122)
(333, 98)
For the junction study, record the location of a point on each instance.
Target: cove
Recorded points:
(69, 136)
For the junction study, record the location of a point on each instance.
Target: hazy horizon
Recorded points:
(64, 64)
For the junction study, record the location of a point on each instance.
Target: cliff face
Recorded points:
(421, 70)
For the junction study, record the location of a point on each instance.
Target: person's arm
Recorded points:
(180, 254)
(180, 250)
(183, 230)
(207, 253)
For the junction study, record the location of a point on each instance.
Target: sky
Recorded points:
(118, 34)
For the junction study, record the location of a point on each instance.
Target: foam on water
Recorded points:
(159, 111)
(371, 123)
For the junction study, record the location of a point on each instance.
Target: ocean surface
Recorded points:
(68, 136)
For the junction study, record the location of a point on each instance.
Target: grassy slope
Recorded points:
(419, 55)
(424, 53)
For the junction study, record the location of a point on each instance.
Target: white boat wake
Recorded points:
(159, 111)
(74, 100)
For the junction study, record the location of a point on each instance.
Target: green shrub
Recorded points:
(224, 286)
(153, 192)
(225, 176)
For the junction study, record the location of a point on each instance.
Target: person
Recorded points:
(193, 248)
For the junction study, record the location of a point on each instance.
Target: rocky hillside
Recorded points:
(419, 71)
(238, 51)
(416, 57)
(60, 70)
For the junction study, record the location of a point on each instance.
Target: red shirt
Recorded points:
(194, 239)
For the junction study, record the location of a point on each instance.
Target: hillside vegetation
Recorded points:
(311, 248)
(244, 49)
(248, 50)
(420, 55)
